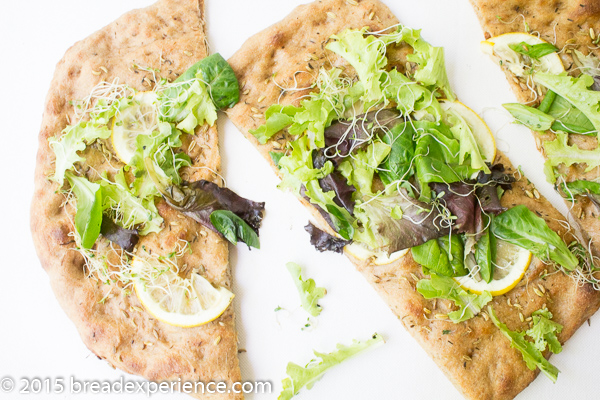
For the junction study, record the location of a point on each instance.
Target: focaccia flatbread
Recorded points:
(474, 354)
(567, 25)
(168, 36)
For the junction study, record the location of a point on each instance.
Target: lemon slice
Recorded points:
(482, 133)
(139, 118)
(498, 48)
(511, 264)
(174, 300)
(361, 253)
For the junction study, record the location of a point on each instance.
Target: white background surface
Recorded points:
(37, 339)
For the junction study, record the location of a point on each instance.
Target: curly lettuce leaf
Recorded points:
(367, 55)
(521, 227)
(558, 152)
(590, 189)
(88, 218)
(410, 96)
(397, 166)
(532, 356)
(73, 140)
(129, 211)
(299, 377)
(432, 68)
(544, 330)
(277, 117)
(360, 169)
(443, 287)
(575, 91)
(309, 293)
(468, 145)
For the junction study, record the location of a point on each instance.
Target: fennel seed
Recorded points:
(521, 317)
(217, 340)
(96, 72)
(529, 194)
(529, 319)
(331, 15)
(245, 92)
(261, 98)
(536, 194)
(352, 2)
(542, 288)
(485, 316)
(254, 110)
(466, 358)
(371, 15)
(414, 277)
(537, 291)
(441, 316)
(188, 53)
(592, 34)
(257, 115)
(104, 69)
(508, 301)
(426, 310)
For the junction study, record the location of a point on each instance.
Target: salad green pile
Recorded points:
(391, 165)
(121, 205)
(571, 106)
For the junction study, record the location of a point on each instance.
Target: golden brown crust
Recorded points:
(168, 35)
(474, 355)
(567, 24)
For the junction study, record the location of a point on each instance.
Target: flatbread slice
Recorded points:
(474, 354)
(168, 36)
(569, 25)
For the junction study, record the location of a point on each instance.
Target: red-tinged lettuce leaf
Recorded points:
(335, 182)
(323, 241)
(126, 238)
(199, 199)
(459, 198)
(343, 137)
(419, 222)
(487, 190)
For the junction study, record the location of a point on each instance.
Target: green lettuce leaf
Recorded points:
(531, 355)
(521, 227)
(544, 330)
(128, 210)
(442, 287)
(277, 118)
(581, 187)
(575, 91)
(88, 218)
(309, 293)
(432, 68)
(410, 96)
(531, 117)
(299, 377)
(73, 140)
(398, 164)
(367, 55)
(468, 145)
(360, 169)
(558, 152)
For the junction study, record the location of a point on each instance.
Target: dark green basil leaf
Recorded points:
(444, 256)
(485, 254)
(397, 165)
(521, 227)
(234, 228)
(535, 51)
(220, 79)
(276, 156)
(341, 222)
(569, 118)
